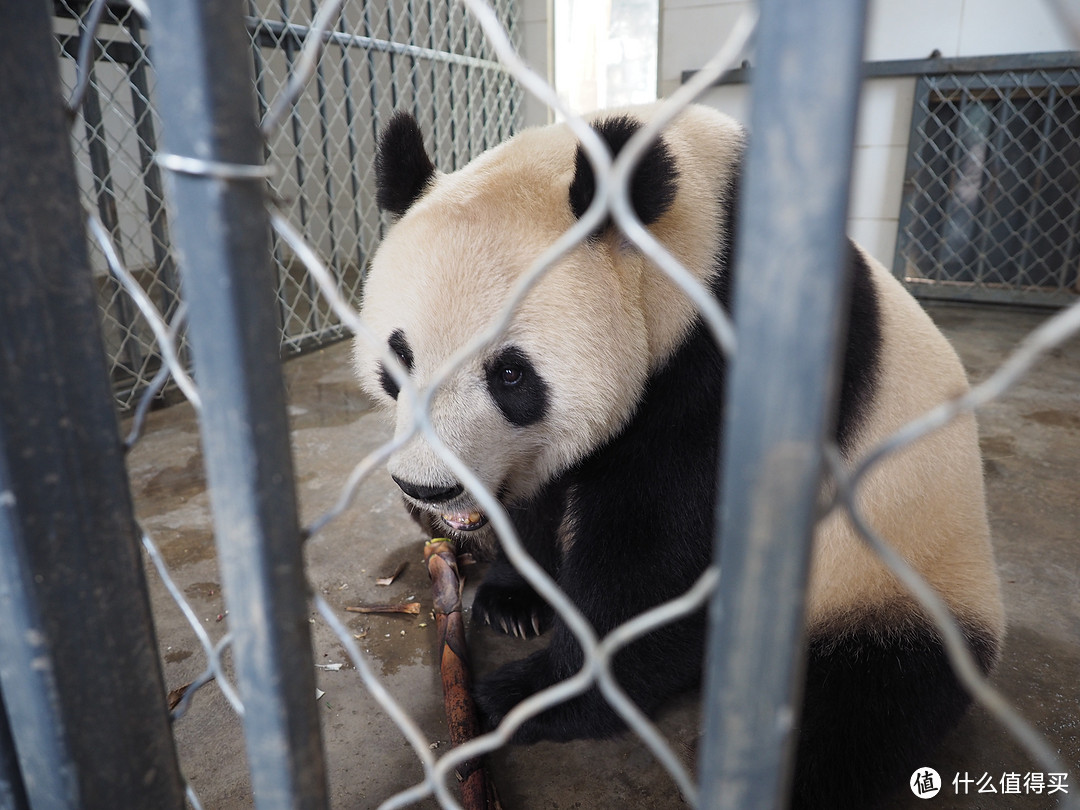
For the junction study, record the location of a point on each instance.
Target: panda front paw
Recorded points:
(514, 608)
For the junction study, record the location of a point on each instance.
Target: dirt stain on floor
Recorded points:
(1056, 419)
(184, 546)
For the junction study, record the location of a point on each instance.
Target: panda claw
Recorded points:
(536, 623)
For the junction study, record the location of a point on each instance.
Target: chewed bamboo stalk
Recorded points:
(477, 791)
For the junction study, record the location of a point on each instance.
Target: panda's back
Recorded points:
(927, 500)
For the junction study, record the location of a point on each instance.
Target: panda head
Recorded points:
(566, 373)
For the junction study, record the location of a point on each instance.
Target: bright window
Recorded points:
(605, 52)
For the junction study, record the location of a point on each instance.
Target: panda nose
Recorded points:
(422, 492)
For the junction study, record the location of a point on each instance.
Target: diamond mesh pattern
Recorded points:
(992, 200)
(425, 56)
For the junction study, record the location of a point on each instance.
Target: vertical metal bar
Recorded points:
(12, 793)
(106, 203)
(155, 195)
(989, 199)
(920, 114)
(434, 84)
(350, 133)
(324, 326)
(1069, 262)
(451, 103)
(393, 60)
(69, 532)
(260, 99)
(790, 284)
(27, 675)
(1037, 186)
(222, 232)
(290, 45)
(373, 91)
(414, 63)
(470, 150)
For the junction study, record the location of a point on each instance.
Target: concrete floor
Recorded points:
(1031, 442)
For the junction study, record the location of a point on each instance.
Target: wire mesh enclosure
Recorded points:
(428, 57)
(992, 189)
(270, 216)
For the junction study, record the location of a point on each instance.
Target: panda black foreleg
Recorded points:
(505, 600)
(649, 670)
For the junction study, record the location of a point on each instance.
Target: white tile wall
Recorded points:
(885, 111)
(912, 29)
(1009, 26)
(733, 99)
(535, 10)
(877, 179)
(876, 236)
(535, 50)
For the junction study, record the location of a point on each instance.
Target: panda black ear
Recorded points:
(655, 179)
(403, 169)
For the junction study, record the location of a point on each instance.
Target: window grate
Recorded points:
(992, 189)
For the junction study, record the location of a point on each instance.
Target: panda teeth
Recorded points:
(465, 521)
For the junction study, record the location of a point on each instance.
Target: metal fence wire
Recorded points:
(305, 177)
(428, 57)
(991, 207)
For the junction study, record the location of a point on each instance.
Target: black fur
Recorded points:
(652, 185)
(641, 539)
(505, 599)
(876, 701)
(403, 170)
(430, 494)
(399, 346)
(863, 357)
(517, 388)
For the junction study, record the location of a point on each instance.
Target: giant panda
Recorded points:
(595, 417)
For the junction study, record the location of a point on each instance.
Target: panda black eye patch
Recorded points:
(399, 346)
(516, 387)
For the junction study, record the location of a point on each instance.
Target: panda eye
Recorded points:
(516, 386)
(399, 346)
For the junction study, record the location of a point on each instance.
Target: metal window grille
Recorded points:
(62, 491)
(991, 200)
(427, 56)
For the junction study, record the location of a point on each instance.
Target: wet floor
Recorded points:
(1031, 443)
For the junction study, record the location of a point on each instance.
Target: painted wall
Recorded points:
(536, 50)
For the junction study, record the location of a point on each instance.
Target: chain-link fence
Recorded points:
(427, 57)
(991, 201)
(62, 741)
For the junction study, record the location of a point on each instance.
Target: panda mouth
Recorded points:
(465, 521)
